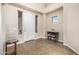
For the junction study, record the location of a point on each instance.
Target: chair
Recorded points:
(8, 42)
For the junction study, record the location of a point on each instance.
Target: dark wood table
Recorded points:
(54, 35)
(8, 42)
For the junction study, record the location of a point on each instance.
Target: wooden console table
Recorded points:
(54, 35)
(15, 47)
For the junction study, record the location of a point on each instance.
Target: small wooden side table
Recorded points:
(54, 35)
(8, 42)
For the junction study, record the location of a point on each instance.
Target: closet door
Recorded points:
(28, 25)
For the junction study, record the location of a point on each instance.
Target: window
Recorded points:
(20, 22)
(36, 22)
(55, 19)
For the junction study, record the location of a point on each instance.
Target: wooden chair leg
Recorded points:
(15, 49)
(5, 49)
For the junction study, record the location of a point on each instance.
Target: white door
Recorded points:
(28, 25)
(11, 22)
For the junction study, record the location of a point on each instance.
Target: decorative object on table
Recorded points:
(52, 29)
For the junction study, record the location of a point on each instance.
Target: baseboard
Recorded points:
(44, 37)
(60, 40)
(17, 43)
(71, 48)
(37, 38)
(20, 42)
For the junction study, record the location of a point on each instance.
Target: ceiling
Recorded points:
(47, 4)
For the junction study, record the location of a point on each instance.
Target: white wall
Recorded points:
(2, 30)
(58, 26)
(44, 26)
(71, 26)
(1, 44)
